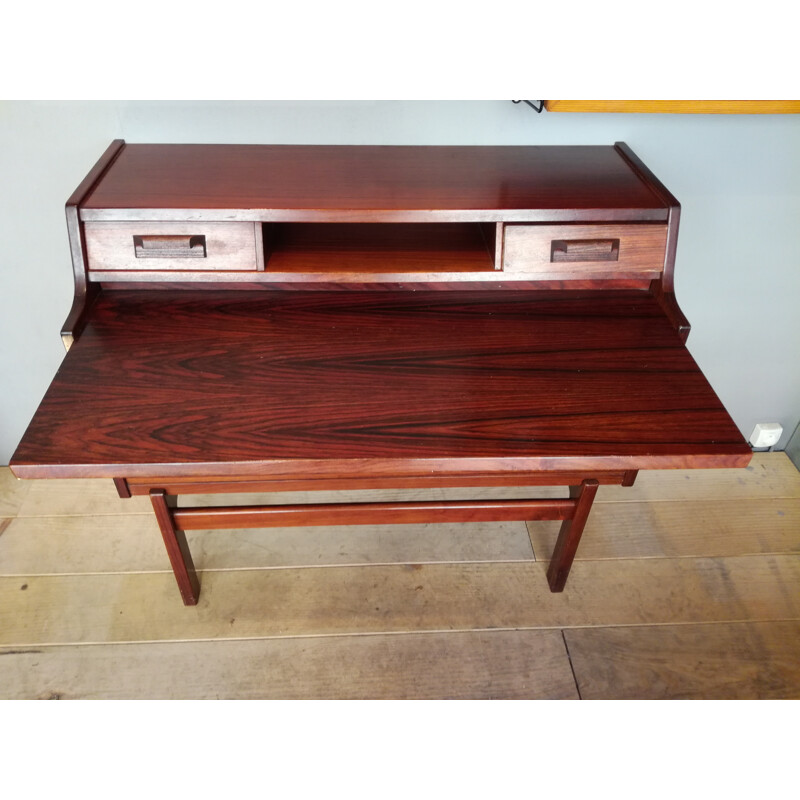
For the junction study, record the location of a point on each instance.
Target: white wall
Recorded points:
(737, 178)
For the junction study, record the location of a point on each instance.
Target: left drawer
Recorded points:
(186, 246)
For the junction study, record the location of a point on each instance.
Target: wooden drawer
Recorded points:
(187, 246)
(585, 251)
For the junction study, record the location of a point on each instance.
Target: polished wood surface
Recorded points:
(353, 281)
(391, 384)
(667, 279)
(569, 536)
(237, 485)
(374, 248)
(371, 513)
(231, 389)
(225, 245)
(584, 251)
(85, 292)
(371, 183)
(177, 548)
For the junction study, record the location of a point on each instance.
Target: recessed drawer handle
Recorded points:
(585, 250)
(169, 246)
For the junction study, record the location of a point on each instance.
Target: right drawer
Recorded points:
(585, 251)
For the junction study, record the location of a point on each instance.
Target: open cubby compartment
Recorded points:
(379, 247)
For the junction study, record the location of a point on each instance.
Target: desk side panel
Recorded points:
(85, 291)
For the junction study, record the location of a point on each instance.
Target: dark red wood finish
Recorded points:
(177, 548)
(121, 485)
(664, 287)
(174, 485)
(569, 536)
(339, 384)
(404, 512)
(222, 382)
(378, 183)
(85, 292)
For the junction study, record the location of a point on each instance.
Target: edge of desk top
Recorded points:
(363, 384)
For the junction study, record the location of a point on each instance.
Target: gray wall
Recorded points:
(737, 177)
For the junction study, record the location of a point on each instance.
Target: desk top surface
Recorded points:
(377, 179)
(203, 383)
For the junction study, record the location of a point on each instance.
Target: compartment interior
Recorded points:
(310, 247)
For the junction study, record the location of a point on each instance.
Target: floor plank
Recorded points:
(397, 598)
(12, 492)
(769, 475)
(753, 660)
(132, 543)
(375, 495)
(497, 664)
(50, 497)
(690, 528)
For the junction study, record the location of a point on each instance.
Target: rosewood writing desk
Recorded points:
(264, 318)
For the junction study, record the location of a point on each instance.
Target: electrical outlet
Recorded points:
(766, 434)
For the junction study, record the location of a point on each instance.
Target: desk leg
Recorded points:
(177, 549)
(570, 535)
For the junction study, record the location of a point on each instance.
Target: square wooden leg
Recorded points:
(177, 549)
(570, 535)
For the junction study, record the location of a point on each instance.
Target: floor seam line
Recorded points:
(571, 665)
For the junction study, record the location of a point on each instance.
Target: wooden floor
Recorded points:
(686, 585)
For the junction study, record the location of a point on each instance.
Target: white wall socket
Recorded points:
(766, 434)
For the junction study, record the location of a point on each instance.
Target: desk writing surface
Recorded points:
(236, 382)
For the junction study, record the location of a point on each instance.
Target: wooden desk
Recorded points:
(407, 346)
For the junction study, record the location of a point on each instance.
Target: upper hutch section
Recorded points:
(287, 214)
(308, 183)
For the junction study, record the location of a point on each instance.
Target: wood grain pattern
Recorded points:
(300, 183)
(371, 384)
(399, 598)
(12, 492)
(265, 516)
(375, 488)
(752, 660)
(666, 284)
(78, 496)
(768, 476)
(528, 248)
(85, 292)
(228, 245)
(671, 308)
(132, 543)
(490, 665)
(379, 248)
(698, 528)
(177, 549)
(570, 535)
